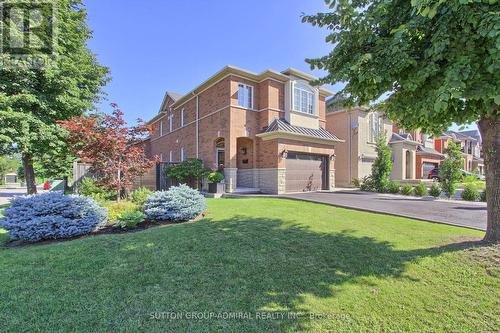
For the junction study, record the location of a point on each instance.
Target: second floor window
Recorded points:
(161, 127)
(245, 96)
(182, 154)
(171, 122)
(303, 98)
(182, 118)
(376, 126)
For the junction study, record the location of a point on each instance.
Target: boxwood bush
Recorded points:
(435, 190)
(482, 196)
(406, 189)
(470, 193)
(179, 203)
(420, 190)
(52, 215)
(393, 187)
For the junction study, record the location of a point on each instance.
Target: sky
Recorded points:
(153, 46)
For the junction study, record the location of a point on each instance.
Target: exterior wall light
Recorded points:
(284, 154)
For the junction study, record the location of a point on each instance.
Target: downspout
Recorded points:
(197, 128)
(349, 148)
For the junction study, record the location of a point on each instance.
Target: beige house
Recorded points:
(359, 128)
(413, 153)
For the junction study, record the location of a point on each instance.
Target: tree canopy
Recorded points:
(432, 63)
(435, 61)
(66, 83)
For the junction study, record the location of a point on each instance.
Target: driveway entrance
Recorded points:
(465, 214)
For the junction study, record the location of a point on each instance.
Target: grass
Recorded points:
(480, 185)
(355, 271)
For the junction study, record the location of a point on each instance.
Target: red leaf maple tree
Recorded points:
(115, 151)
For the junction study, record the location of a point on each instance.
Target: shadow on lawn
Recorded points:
(238, 264)
(257, 263)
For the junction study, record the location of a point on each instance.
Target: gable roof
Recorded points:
(472, 133)
(429, 151)
(402, 138)
(460, 136)
(175, 96)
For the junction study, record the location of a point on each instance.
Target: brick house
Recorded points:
(470, 145)
(265, 131)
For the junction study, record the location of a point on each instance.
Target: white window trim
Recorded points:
(245, 86)
(170, 122)
(182, 117)
(161, 127)
(217, 150)
(314, 101)
(375, 119)
(170, 156)
(182, 154)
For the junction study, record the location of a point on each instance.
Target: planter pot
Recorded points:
(216, 188)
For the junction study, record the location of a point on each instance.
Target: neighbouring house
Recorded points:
(359, 128)
(470, 143)
(265, 131)
(426, 157)
(10, 178)
(413, 153)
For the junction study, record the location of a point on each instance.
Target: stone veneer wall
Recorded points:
(331, 183)
(248, 178)
(230, 178)
(272, 180)
(268, 180)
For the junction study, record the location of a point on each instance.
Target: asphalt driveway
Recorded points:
(463, 213)
(8, 193)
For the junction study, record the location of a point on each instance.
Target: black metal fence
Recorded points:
(163, 182)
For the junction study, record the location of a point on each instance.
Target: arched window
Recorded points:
(219, 143)
(220, 155)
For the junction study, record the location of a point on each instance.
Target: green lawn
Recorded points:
(357, 272)
(480, 185)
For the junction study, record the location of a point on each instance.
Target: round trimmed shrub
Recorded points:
(393, 187)
(179, 203)
(435, 190)
(420, 190)
(482, 196)
(406, 189)
(52, 215)
(470, 193)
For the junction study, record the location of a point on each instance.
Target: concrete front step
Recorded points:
(246, 190)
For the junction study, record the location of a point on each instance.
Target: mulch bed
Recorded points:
(106, 230)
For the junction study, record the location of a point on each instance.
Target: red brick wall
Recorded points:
(220, 117)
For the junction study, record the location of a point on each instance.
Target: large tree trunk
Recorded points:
(490, 133)
(29, 173)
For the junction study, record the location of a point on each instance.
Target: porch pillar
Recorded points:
(230, 177)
